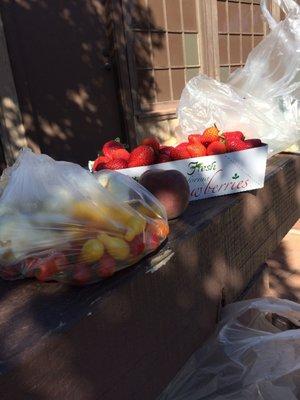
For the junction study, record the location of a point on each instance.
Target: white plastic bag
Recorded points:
(263, 98)
(272, 69)
(248, 357)
(59, 222)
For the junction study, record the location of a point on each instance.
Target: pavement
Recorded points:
(284, 267)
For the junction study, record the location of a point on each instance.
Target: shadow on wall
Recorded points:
(63, 59)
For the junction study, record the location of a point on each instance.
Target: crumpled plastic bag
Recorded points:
(272, 69)
(254, 354)
(59, 222)
(262, 99)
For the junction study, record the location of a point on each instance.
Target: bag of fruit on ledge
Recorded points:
(59, 222)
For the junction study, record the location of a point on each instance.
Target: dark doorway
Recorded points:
(64, 75)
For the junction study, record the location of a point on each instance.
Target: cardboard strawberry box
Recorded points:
(216, 175)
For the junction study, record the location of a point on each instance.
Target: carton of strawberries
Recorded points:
(214, 162)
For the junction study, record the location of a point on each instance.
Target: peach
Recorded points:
(170, 187)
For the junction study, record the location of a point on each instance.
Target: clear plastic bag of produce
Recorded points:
(254, 354)
(59, 222)
(262, 99)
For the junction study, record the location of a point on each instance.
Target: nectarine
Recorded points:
(170, 187)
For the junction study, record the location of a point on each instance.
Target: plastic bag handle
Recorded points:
(285, 5)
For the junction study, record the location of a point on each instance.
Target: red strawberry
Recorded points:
(196, 150)
(196, 138)
(100, 162)
(118, 163)
(180, 152)
(166, 150)
(137, 245)
(163, 158)
(233, 135)
(152, 142)
(110, 147)
(46, 268)
(237, 145)
(141, 155)
(254, 142)
(211, 134)
(216, 148)
(121, 153)
(107, 266)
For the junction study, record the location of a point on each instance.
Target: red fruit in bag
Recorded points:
(137, 245)
(107, 266)
(160, 227)
(196, 150)
(152, 142)
(216, 148)
(82, 274)
(141, 155)
(46, 267)
(180, 152)
(100, 162)
(152, 241)
(110, 147)
(116, 164)
(236, 135)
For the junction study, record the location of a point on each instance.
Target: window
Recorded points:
(240, 29)
(166, 52)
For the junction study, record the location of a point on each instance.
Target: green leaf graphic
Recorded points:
(235, 176)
